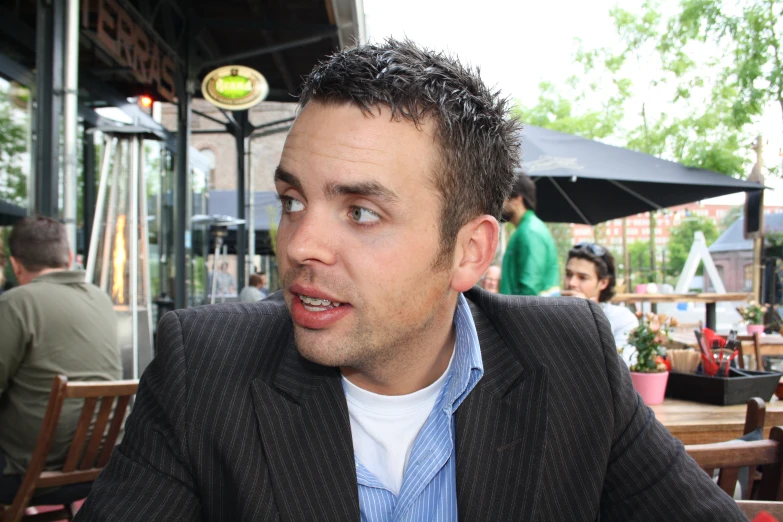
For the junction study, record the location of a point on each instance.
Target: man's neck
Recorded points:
(416, 365)
(520, 217)
(32, 277)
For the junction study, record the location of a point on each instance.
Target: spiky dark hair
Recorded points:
(478, 141)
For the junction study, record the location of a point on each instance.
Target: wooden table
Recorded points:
(697, 423)
(769, 344)
(708, 299)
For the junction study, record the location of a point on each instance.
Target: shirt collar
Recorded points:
(63, 277)
(468, 367)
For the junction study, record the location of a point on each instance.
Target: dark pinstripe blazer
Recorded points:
(231, 423)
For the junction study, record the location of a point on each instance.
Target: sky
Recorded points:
(518, 44)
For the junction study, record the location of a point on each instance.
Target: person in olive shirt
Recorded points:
(53, 323)
(530, 262)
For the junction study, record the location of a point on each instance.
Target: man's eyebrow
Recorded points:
(287, 177)
(361, 188)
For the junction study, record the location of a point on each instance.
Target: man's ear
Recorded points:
(603, 283)
(16, 265)
(477, 242)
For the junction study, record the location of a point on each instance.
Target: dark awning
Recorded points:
(585, 181)
(10, 213)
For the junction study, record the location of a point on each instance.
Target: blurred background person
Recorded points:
(53, 323)
(226, 284)
(590, 273)
(491, 280)
(255, 290)
(530, 263)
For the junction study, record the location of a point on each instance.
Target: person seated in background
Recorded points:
(54, 323)
(590, 274)
(491, 280)
(255, 289)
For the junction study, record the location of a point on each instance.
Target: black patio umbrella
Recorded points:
(10, 213)
(585, 181)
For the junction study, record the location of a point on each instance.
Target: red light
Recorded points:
(145, 101)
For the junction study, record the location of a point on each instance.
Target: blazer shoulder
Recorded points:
(490, 303)
(273, 306)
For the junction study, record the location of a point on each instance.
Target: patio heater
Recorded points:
(218, 229)
(118, 260)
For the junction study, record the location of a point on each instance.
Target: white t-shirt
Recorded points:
(622, 321)
(384, 427)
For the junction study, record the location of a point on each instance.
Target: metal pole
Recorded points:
(218, 244)
(626, 258)
(112, 212)
(241, 117)
(70, 119)
(251, 208)
(88, 194)
(225, 256)
(758, 240)
(182, 193)
(133, 244)
(48, 88)
(109, 145)
(142, 234)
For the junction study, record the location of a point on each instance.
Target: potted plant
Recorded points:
(649, 372)
(753, 315)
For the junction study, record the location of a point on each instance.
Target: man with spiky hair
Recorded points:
(380, 384)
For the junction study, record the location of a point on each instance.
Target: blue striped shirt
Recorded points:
(429, 485)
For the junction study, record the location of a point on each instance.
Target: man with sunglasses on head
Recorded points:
(590, 273)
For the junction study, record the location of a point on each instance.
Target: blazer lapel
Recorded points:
(303, 420)
(501, 434)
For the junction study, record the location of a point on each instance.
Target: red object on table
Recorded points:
(710, 336)
(765, 517)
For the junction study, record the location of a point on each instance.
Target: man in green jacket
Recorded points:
(530, 262)
(54, 323)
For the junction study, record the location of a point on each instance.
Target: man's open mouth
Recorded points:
(311, 304)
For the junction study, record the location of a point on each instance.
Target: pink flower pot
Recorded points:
(651, 386)
(753, 328)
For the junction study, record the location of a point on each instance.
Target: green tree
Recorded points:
(564, 239)
(13, 145)
(639, 256)
(743, 71)
(733, 215)
(681, 239)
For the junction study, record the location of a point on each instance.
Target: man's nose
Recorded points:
(312, 239)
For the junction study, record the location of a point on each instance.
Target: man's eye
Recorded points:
(292, 205)
(363, 215)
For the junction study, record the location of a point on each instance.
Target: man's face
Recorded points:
(582, 278)
(491, 282)
(512, 209)
(360, 228)
(263, 281)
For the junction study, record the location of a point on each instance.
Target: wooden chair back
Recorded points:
(88, 453)
(729, 457)
(745, 343)
(752, 508)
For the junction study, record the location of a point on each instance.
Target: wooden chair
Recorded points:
(743, 341)
(752, 508)
(86, 456)
(729, 457)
